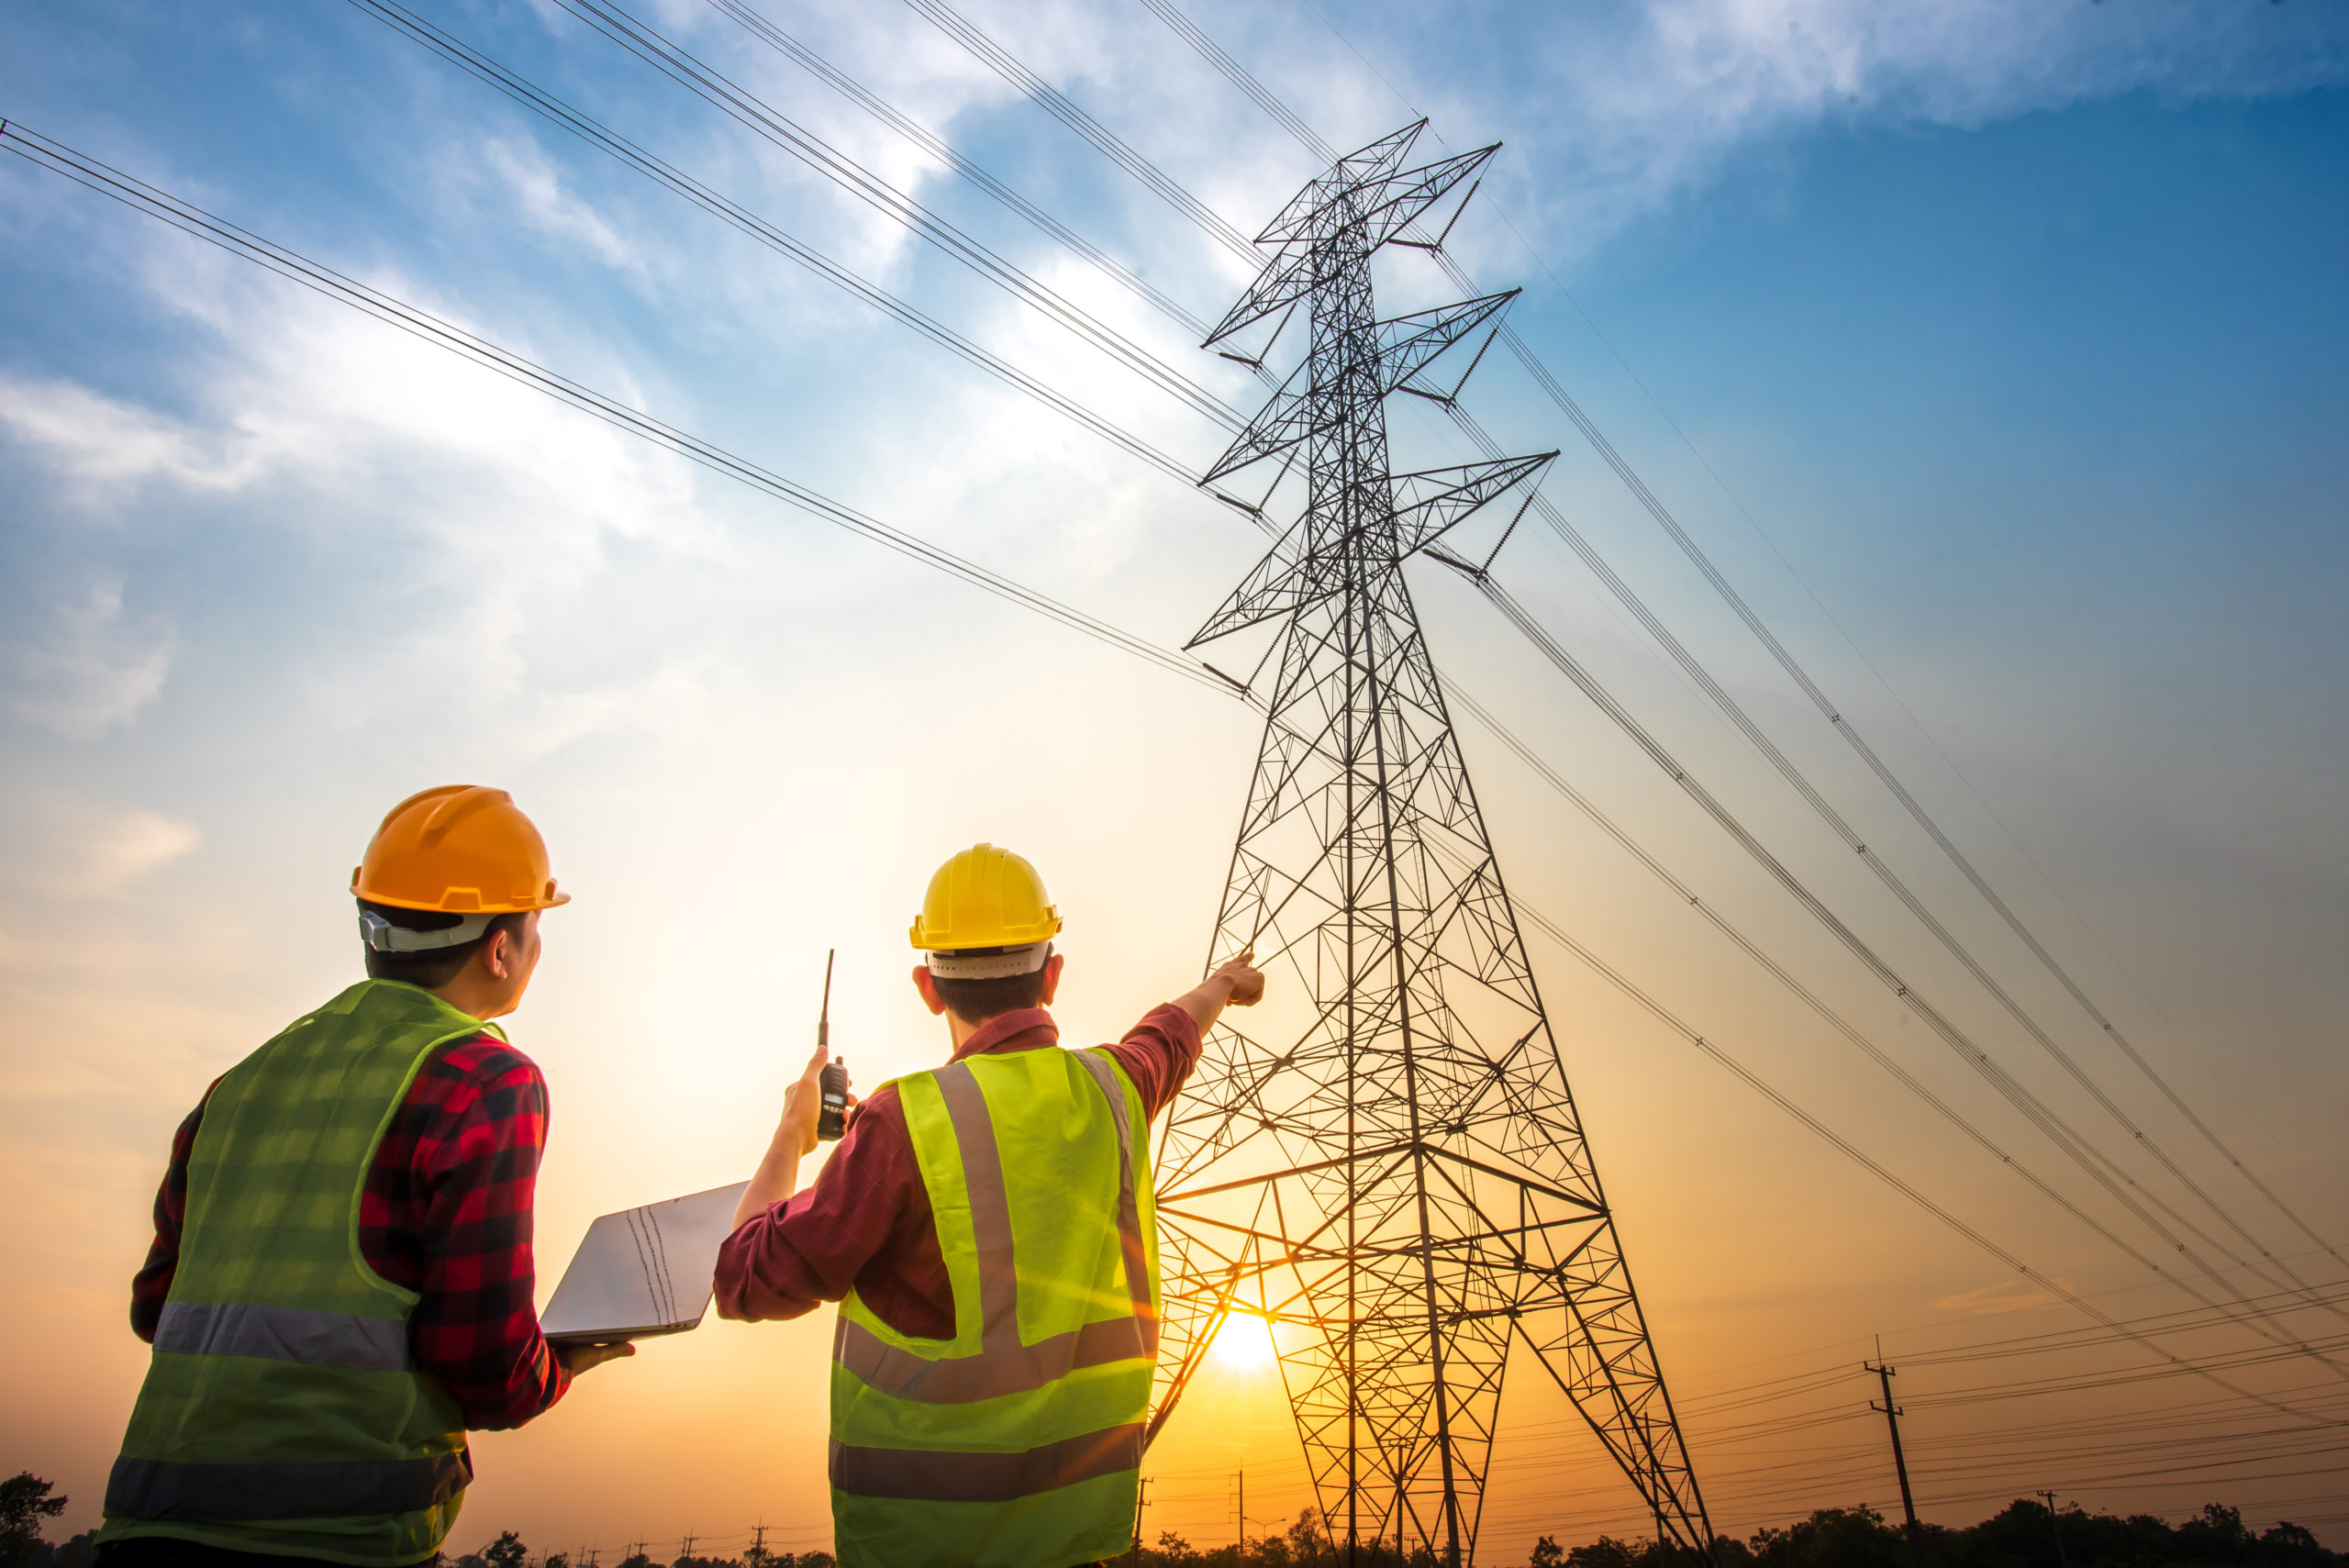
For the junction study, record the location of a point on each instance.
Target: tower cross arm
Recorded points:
(1408, 344)
(1369, 164)
(1430, 502)
(1405, 345)
(1362, 190)
(1279, 584)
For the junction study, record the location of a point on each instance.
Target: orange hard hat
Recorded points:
(463, 848)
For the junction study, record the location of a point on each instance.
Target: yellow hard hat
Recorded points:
(463, 847)
(985, 897)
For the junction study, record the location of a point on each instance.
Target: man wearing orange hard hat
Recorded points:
(342, 1282)
(989, 1229)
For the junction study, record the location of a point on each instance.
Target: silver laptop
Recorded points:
(643, 1271)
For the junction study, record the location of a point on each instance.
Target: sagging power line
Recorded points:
(1167, 12)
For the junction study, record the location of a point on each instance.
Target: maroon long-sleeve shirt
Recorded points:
(866, 1219)
(446, 1212)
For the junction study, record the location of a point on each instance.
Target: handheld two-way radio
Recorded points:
(832, 1120)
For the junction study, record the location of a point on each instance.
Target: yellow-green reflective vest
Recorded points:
(1017, 1443)
(283, 1411)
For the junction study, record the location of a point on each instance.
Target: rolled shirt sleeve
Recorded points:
(864, 1222)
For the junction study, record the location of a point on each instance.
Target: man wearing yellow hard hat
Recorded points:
(990, 1230)
(341, 1283)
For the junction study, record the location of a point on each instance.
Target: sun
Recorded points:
(1244, 1343)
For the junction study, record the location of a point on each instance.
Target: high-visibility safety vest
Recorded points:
(283, 1410)
(1017, 1443)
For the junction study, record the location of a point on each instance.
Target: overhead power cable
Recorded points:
(2079, 1149)
(152, 202)
(190, 219)
(592, 132)
(1835, 1020)
(1762, 1086)
(937, 147)
(1738, 715)
(1057, 104)
(765, 121)
(2048, 1121)
(1239, 77)
(1909, 804)
(1550, 386)
(994, 54)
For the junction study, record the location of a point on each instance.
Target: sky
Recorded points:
(1990, 348)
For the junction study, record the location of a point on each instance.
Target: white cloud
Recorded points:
(101, 445)
(542, 201)
(74, 848)
(1610, 112)
(89, 669)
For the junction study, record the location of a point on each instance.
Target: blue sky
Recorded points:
(2014, 330)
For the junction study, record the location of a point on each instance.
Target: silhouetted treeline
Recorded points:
(2024, 1535)
(509, 1551)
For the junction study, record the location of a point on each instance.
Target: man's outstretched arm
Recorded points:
(1235, 982)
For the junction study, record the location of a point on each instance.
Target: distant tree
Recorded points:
(2288, 1545)
(1308, 1537)
(633, 1560)
(1604, 1553)
(1547, 1553)
(23, 1503)
(1173, 1551)
(556, 1560)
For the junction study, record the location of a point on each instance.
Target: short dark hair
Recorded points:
(434, 967)
(976, 1001)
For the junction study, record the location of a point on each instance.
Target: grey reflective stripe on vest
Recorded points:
(1129, 1236)
(283, 1334)
(990, 1374)
(1003, 1364)
(967, 1107)
(153, 1489)
(929, 1476)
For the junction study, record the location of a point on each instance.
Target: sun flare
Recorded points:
(1244, 1343)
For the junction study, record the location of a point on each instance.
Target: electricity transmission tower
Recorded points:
(1394, 1171)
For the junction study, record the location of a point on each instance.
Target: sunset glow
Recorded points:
(1895, 762)
(1244, 1343)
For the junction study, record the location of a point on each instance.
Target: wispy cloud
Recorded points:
(89, 668)
(101, 445)
(1612, 112)
(70, 848)
(540, 200)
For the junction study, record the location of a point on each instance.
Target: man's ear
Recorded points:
(927, 986)
(497, 954)
(1052, 978)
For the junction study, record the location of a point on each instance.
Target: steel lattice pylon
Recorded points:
(1401, 1180)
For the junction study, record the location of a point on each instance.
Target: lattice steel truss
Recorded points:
(1399, 1182)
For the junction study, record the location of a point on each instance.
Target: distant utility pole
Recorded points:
(1243, 1514)
(2057, 1524)
(686, 1547)
(1142, 1501)
(1892, 1419)
(759, 1541)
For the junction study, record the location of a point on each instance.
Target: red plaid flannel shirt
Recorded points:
(445, 1213)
